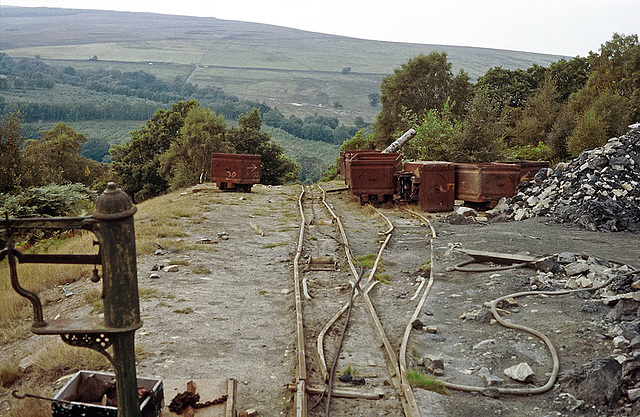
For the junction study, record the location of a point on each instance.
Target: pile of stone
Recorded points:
(599, 190)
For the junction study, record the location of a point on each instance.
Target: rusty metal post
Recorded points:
(115, 231)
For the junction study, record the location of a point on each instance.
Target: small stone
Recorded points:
(154, 276)
(520, 372)
(27, 363)
(520, 215)
(489, 379)
(252, 412)
(172, 268)
(566, 258)
(576, 268)
(633, 394)
(417, 324)
(584, 282)
(155, 267)
(431, 329)
(158, 252)
(484, 343)
(466, 211)
(490, 392)
(205, 240)
(619, 341)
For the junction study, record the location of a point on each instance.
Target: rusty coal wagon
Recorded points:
(372, 175)
(430, 183)
(235, 172)
(483, 184)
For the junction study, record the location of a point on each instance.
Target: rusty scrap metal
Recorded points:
(187, 399)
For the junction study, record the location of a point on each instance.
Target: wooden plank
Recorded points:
(341, 392)
(496, 257)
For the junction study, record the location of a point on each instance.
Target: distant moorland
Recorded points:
(298, 73)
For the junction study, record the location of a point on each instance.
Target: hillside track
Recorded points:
(385, 295)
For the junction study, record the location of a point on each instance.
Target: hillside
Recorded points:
(296, 71)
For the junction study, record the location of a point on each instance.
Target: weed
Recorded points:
(426, 266)
(58, 359)
(202, 271)
(383, 278)
(313, 238)
(273, 245)
(187, 310)
(349, 370)
(163, 304)
(368, 260)
(37, 277)
(263, 292)
(93, 297)
(147, 293)
(421, 380)
(9, 373)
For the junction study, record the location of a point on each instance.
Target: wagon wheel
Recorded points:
(222, 186)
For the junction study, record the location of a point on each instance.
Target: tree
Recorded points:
(479, 140)
(11, 167)
(249, 139)
(57, 158)
(539, 114)
(425, 82)
(188, 159)
(435, 133)
(137, 162)
(589, 133)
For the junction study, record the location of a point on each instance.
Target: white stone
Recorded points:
(519, 372)
(619, 341)
(172, 268)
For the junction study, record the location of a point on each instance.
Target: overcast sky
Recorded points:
(563, 27)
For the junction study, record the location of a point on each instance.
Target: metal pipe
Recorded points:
(401, 141)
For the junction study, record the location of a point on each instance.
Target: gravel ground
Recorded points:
(228, 312)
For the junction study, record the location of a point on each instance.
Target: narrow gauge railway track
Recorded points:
(355, 319)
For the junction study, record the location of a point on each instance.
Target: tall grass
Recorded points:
(37, 277)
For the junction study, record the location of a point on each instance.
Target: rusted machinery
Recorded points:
(235, 172)
(112, 223)
(374, 176)
(432, 184)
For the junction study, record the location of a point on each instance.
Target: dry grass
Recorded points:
(50, 363)
(157, 220)
(37, 277)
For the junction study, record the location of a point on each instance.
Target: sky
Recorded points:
(562, 27)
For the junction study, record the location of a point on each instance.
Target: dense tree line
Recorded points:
(26, 74)
(537, 113)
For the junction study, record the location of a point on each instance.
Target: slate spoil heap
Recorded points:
(598, 190)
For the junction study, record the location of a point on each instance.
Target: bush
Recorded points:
(590, 132)
(49, 201)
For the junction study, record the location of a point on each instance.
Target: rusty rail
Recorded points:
(408, 401)
(301, 371)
